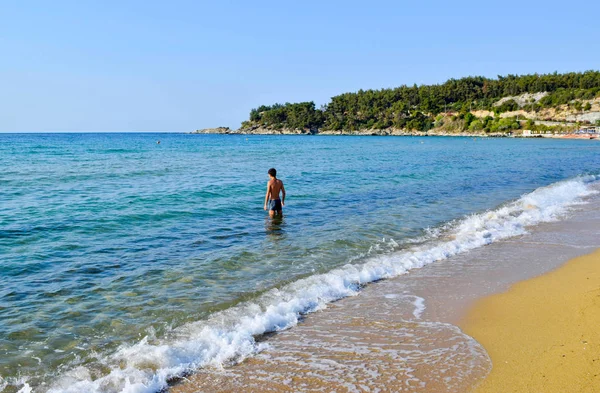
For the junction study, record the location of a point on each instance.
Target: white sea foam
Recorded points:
(25, 388)
(419, 304)
(229, 336)
(21, 382)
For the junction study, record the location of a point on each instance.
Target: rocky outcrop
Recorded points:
(257, 130)
(523, 99)
(218, 130)
(375, 132)
(591, 117)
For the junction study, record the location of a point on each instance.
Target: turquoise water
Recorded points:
(109, 238)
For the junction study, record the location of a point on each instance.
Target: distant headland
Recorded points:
(513, 105)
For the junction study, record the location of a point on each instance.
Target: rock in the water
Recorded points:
(218, 130)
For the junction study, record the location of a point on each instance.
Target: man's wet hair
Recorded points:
(273, 172)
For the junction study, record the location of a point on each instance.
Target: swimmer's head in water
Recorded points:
(273, 172)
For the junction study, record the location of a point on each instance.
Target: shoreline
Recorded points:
(384, 132)
(384, 325)
(541, 334)
(374, 132)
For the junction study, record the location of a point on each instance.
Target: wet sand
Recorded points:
(542, 335)
(345, 349)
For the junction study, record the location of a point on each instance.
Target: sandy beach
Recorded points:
(542, 334)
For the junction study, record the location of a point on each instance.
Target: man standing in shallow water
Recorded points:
(274, 186)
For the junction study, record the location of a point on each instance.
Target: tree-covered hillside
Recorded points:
(416, 107)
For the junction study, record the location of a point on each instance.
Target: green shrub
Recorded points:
(476, 125)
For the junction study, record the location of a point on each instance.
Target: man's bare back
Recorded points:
(276, 186)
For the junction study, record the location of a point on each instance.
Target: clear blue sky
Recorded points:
(182, 65)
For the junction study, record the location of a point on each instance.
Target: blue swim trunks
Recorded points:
(275, 205)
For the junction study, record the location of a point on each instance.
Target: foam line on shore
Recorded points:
(229, 336)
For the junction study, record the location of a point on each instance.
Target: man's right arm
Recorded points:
(268, 194)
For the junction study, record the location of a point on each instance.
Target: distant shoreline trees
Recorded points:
(417, 107)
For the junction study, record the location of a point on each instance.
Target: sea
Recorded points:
(136, 262)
